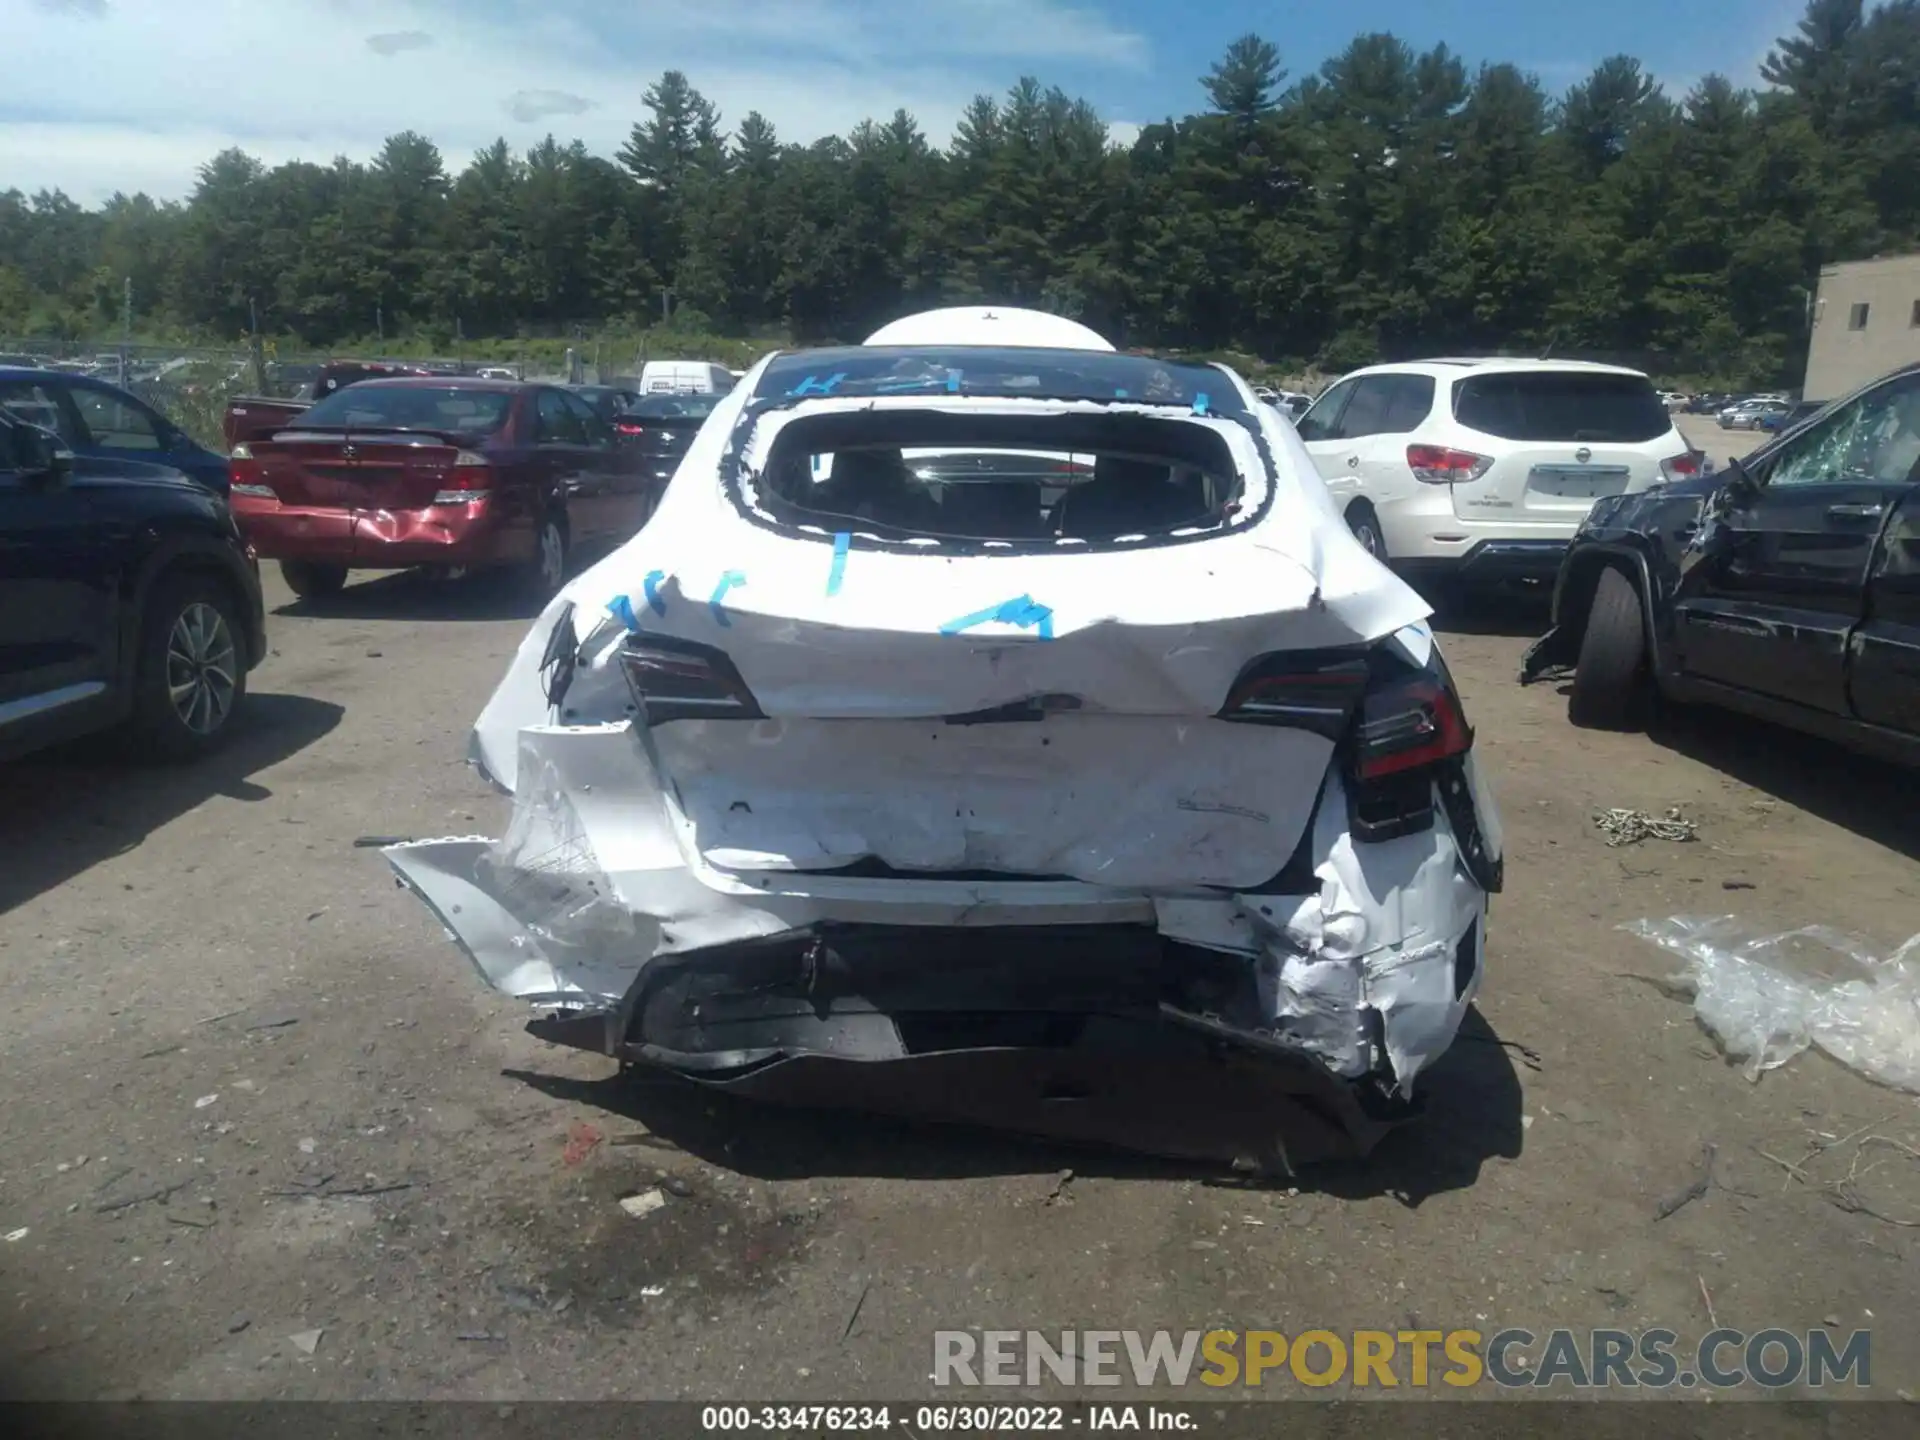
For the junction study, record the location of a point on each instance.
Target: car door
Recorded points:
(626, 497)
(1385, 409)
(118, 427)
(1773, 585)
(566, 461)
(1883, 680)
(58, 637)
(1320, 431)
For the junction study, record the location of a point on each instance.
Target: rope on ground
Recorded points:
(1630, 827)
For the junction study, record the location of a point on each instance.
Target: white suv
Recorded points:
(1481, 470)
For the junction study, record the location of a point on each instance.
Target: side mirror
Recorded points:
(43, 457)
(1738, 481)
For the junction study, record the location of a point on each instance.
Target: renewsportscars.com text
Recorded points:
(1388, 1359)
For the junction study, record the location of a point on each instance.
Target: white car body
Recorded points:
(1486, 504)
(750, 739)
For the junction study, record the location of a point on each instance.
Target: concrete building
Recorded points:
(1866, 321)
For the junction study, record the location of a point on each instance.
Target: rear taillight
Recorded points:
(1683, 466)
(674, 679)
(1310, 690)
(469, 478)
(1409, 724)
(629, 427)
(1440, 465)
(1411, 735)
(243, 474)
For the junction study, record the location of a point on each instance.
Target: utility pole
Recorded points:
(666, 306)
(380, 322)
(126, 327)
(259, 352)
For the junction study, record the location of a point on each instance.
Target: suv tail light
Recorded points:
(626, 426)
(1441, 465)
(470, 478)
(1683, 466)
(673, 679)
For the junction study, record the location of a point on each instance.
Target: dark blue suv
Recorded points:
(103, 422)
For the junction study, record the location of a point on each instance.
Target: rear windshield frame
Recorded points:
(1511, 421)
(742, 485)
(351, 396)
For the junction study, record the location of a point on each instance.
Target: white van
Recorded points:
(684, 377)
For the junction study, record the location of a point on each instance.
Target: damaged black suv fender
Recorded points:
(1784, 587)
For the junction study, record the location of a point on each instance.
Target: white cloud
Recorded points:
(316, 78)
(396, 41)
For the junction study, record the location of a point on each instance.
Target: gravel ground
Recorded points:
(252, 1094)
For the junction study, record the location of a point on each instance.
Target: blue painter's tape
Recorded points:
(727, 582)
(1119, 394)
(953, 382)
(1021, 611)
(1200, 403)
(842, 542)
(651, 585)
(814, 385)
(621, 608)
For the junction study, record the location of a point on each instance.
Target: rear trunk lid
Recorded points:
(1558, 441)
(352, 471)
(890, 722)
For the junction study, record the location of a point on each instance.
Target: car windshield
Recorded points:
(411, 407)
(987, 370)
(1561, 405)
(669, 407)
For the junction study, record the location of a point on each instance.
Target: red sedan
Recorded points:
(453, 473)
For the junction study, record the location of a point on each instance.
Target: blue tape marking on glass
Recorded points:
(727, 582)
(814, 385)
(837, 571)
(1200, 403)
(621, 608)
(1021, 611)
(895, 387)
(953, 382)
(816, 464)
(1119, 394)
(651, 585)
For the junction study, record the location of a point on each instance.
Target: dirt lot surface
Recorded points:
(252, 1093)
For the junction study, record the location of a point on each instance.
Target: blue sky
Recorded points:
(106, 95)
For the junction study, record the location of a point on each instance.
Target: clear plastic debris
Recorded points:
(1766, 997)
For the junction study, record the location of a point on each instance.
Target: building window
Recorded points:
(1857, 317)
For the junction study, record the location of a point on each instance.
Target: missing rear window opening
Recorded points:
(986, 479)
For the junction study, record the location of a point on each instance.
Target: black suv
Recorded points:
(126, 597)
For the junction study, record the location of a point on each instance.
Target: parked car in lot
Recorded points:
(1788, 418)
(1787, 586)
(127, 597)
(658, 428)
(611, 401)
(99, 421)
(1468, 471)
(887, 770)
(452, 473)
(1752, 414)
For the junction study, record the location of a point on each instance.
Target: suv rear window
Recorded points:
(1561, 405)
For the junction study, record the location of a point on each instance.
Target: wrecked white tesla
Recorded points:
(1087, 739)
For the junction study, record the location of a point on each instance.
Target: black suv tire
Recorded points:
(190, 673)
(308, 578)
(1610, 680)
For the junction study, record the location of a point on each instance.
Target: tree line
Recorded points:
(1393, 202)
